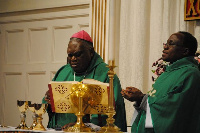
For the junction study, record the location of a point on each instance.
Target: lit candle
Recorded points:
(111, 30)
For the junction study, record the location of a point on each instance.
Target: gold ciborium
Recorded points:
(23, 106)
(34, 116)
(83, 97)
(39, 110)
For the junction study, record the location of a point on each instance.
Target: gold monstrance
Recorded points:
(110, 126)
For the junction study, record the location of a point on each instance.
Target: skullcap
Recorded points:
(82, 35)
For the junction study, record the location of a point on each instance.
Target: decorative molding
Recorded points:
(30, 43)
(38, 29)
(36, 73)
(5, 91)
(32, 74)
(15, 31)
(45, 10)
(83, 25)
(7, 32)
(12, 73)
(44, 19)
(55, 28)
(62, 27)
(45, 14)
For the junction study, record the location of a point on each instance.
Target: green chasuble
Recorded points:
(98, 71)
(175, 104)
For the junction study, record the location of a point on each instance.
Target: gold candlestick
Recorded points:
(110, 126)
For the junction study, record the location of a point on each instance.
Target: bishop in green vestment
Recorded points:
(84, 63)
(174, 101)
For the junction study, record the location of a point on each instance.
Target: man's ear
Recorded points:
(92, 52)
(186, 51)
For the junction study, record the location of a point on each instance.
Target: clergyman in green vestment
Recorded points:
(85, 63)
(173, 104)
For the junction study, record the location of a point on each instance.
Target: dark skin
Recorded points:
(173, 50)
(79, 55)
(132, 94)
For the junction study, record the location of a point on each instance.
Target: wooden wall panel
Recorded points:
(38, 45)
(15, 90)
(37, 87)
(15, 52)
(61, 38)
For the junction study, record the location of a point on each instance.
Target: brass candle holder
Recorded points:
(39, 110)
(110, 126)
(23, 106)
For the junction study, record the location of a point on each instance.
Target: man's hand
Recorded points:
(47, 97)
(132, 94)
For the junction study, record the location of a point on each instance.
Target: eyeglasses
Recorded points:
(77, 54)
(170, 44)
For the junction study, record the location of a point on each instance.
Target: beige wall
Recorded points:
(21, 5)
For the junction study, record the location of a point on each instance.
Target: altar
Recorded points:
(10, 129)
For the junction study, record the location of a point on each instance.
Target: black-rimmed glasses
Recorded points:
(171, 44)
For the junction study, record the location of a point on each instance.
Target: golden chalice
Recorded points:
(83, 97)
(34, 116)
(39, 110)
(23, 106)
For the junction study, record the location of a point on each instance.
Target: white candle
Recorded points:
(111, 30)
